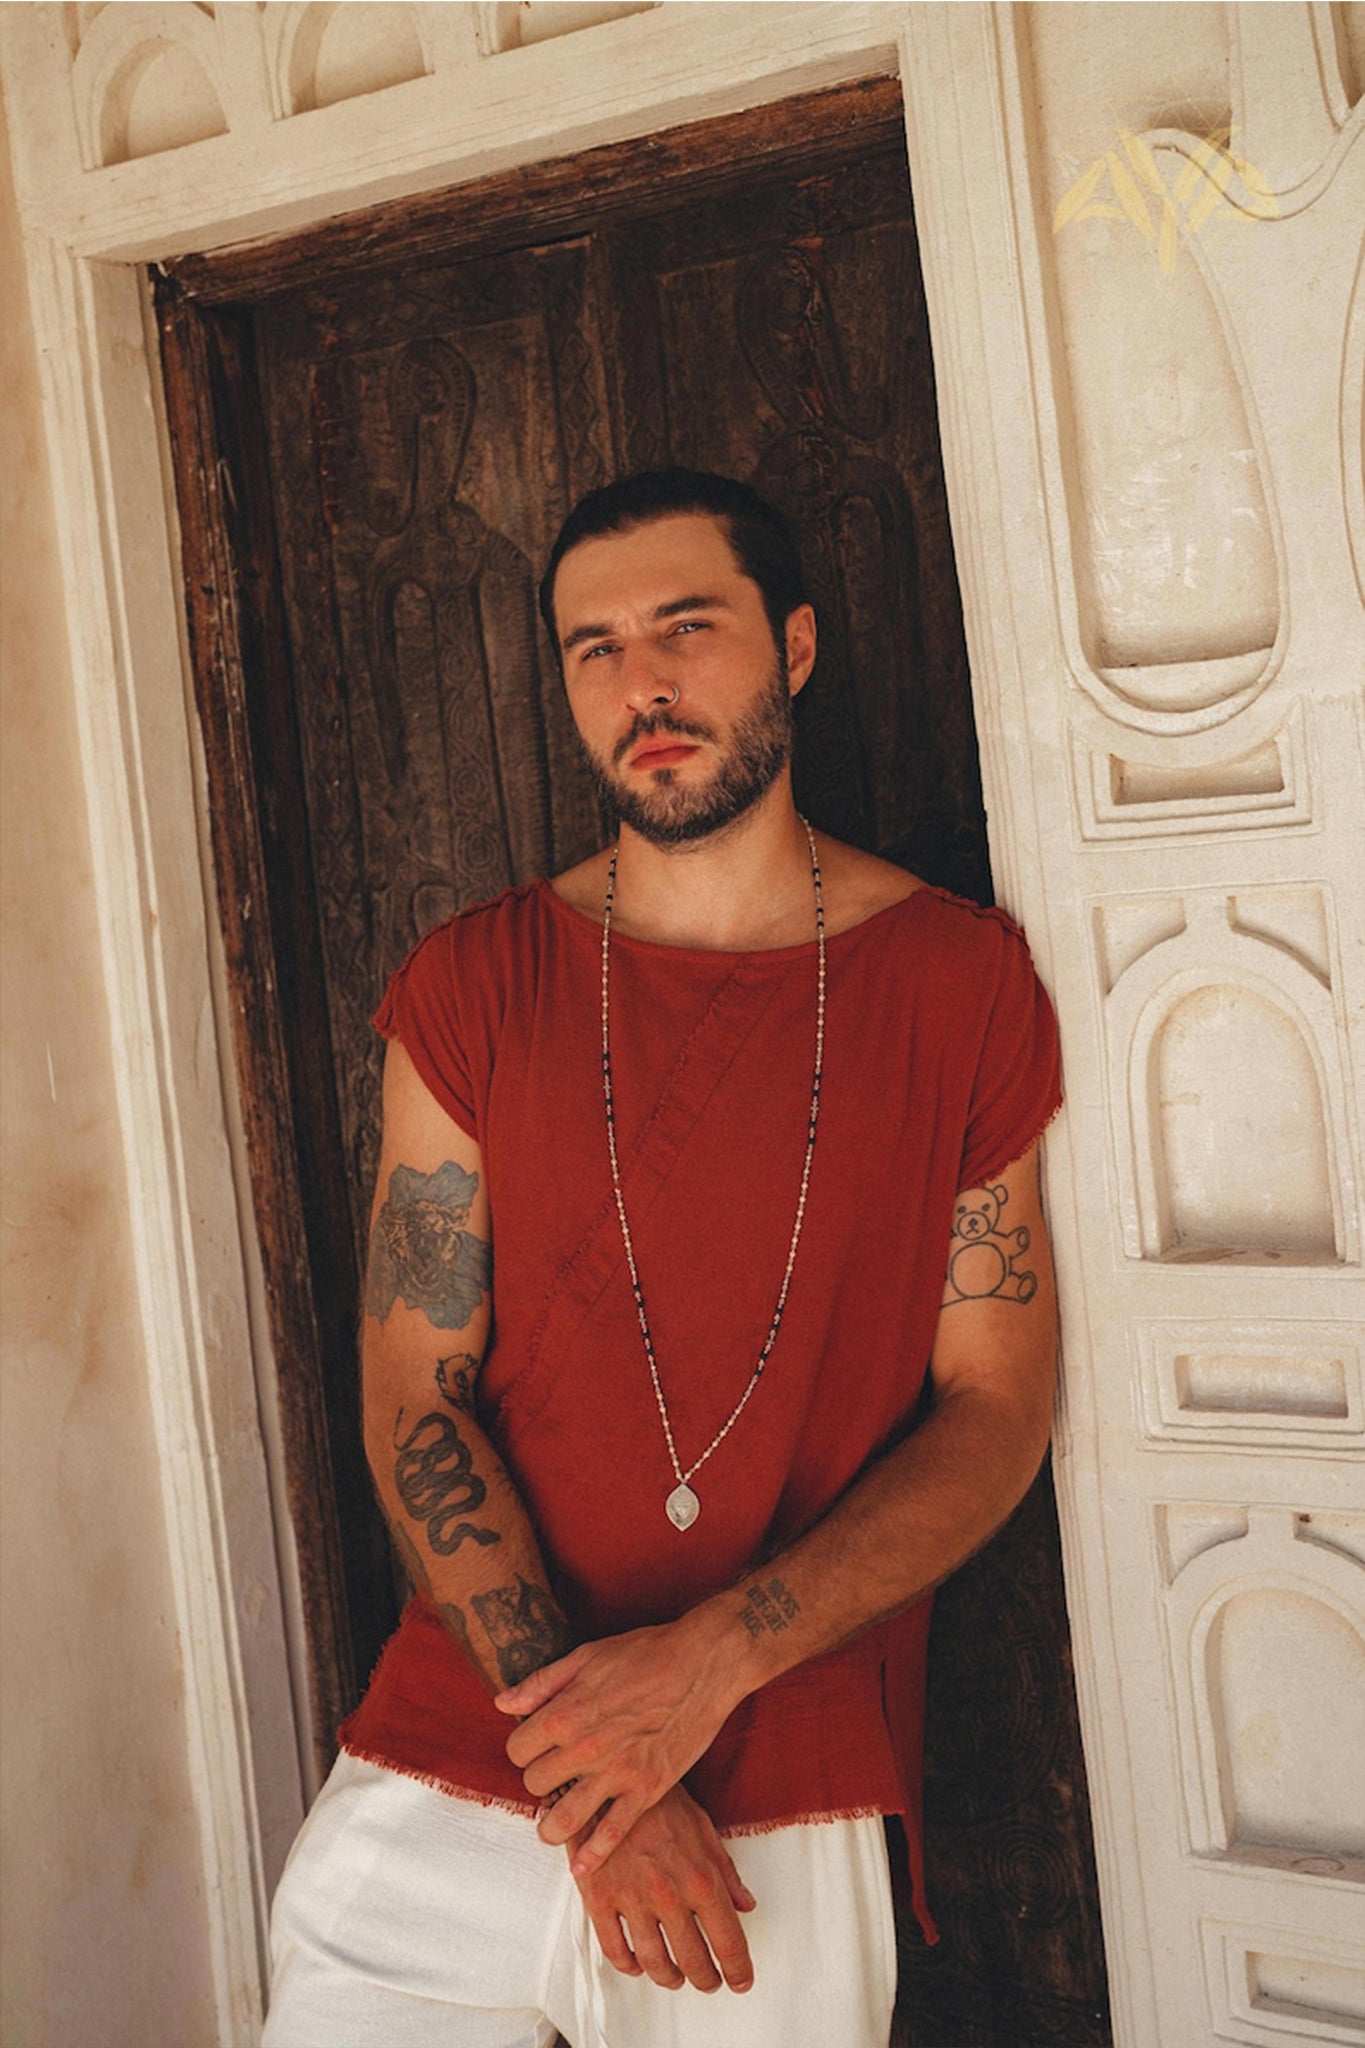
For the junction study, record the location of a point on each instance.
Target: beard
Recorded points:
(671, 813)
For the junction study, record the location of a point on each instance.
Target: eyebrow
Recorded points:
(674, 608)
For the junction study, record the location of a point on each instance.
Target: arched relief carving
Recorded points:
(147, 79)
(1176, 601)
(1266, 1634)
(1231, 1120)
(319, 52)
(1170, 573)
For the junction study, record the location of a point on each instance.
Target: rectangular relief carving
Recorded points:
(1172, 792)
(1270, 1988)
(1258, 1386)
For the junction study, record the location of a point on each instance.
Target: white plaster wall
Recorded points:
(104, 1930)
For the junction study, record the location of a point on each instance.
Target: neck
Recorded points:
(745, 887)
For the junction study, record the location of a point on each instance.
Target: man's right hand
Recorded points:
(675, 1887)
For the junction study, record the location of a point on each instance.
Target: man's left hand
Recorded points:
(618, 1722)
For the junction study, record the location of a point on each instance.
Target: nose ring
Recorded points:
(669, 702)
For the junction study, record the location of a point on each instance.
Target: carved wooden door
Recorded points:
(425, 431)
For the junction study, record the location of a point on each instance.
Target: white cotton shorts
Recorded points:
(410, 1919)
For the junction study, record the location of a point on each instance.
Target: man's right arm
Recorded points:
(459, 1523)
(462, 1528)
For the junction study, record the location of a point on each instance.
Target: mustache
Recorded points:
(646, 724)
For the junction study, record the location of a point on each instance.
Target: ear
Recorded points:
(800, 631)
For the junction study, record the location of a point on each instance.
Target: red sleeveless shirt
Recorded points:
(941, 1069)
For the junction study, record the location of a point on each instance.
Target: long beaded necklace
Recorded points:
(682, 1505)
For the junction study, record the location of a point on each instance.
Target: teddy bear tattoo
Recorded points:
(982, 1256)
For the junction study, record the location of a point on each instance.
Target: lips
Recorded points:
(662, 753)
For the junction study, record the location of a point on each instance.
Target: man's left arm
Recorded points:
(624, 1718)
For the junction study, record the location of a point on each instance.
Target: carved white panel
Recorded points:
(146, 78)
(516, 24)
(1253, 1386)
(1272, 1987)
(1231, 1102)
(1266, 1635)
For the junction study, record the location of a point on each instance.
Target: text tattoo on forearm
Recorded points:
(771, 1607)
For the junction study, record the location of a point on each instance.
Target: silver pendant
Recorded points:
(683, 1506)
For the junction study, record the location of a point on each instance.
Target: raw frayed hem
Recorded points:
(1044, 1127)
(524, 1807)
(803, 1820)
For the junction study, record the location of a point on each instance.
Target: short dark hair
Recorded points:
(758, 534)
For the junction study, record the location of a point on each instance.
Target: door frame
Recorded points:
(89, 234)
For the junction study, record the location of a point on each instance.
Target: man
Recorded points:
(695, 1159)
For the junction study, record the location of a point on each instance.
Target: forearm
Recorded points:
(910, 1520)
(457, 1518)
(627, 1717)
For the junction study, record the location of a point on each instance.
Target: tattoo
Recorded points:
(455, 1376)
(982, 1257)
(524, 1626)
(420, 1250)
(437, 1484)
(770, 1607)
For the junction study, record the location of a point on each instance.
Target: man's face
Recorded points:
(666, 607)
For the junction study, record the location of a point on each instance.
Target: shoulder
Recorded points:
(959, 958)
(481, 932)
(979, 929)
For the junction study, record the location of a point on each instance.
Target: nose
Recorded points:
(645, 688)
(653, 697)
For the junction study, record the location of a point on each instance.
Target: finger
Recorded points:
(740, 1895)
(559, 1823)
(535, 1737)
(615, 1947)
(616, 1823)
(651, 1950)
(728, 1945)
(550, 1773)
(691, 1954)
(542, 1685)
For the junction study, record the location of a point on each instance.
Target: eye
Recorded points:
(692, 626)
(602, 647)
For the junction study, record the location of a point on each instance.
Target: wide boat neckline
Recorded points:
(582, 919)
